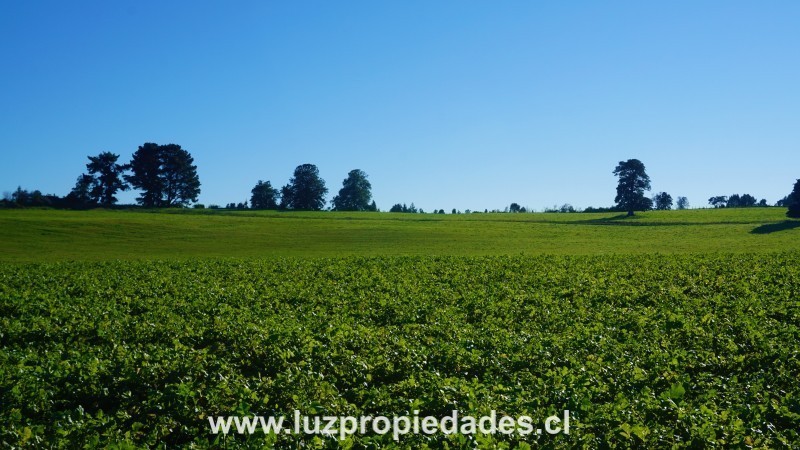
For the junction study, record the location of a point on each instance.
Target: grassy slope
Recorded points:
(48, 235)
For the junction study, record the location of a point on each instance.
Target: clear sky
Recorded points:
(447, 104)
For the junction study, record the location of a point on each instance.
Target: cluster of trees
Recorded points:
(565, 208)
(736, 201)
(23, 197)
(165, 175)
(397, 207)
(306, 191)
(633, 181)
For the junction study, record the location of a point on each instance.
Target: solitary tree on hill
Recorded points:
(106, 178)
(355, 194)
(306, 190)
(633, 181)
(683, 203)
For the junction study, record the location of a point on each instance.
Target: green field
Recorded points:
(46, 235)
(128, 329)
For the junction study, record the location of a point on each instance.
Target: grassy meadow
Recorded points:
(48, 235)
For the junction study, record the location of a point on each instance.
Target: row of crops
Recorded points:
(644, 351)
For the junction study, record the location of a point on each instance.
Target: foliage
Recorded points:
(305, 191)
(23, 197)
(355, 194)
(397, 207)
(644, 351)
(81, 194)
(741, 201)
(165, 174)
(565, 208)
(719, 201)
(793, 202)
(107, 178)
(683, 203)
(662, 201)
(264, 196)
(633, 181)
(735, 201)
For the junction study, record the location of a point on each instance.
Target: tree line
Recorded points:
(166, 176)
(633, 181)
(306, 191)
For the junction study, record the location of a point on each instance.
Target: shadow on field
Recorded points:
(779, 226)
(626, 220)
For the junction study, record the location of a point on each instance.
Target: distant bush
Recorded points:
(565, 208)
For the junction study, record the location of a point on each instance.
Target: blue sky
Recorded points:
(447, 104)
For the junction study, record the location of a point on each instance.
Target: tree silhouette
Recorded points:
(662, 201)
(264, 196)
(165, 175)
(355, 194)
(683, 203)
(81, 194)
(719, 201)
(633, 181)
(793, 202)
(106, 178)
(747, 201)
(306, 190)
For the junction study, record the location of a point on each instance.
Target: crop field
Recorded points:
(130, 329)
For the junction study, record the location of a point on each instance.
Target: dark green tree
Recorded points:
(793, 202)
(286, 195)
(662, 201)
(146, 176)
(305, 191)
(633, 181)
(165, 174)
(179, 176)
(81, 194)
(747, 201)
(264, 196)
(107, 178)
(355, 194)
(567, 208)
(718, 201)
(683, 203)
(514, 208)
(21, 197)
